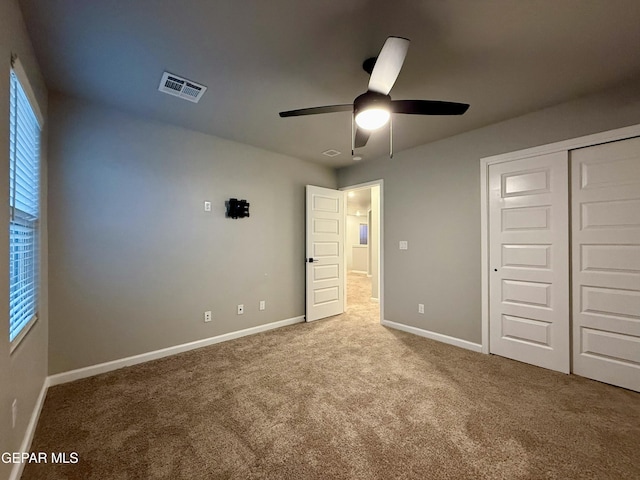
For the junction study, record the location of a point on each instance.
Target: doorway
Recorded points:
(327, 288)
(363, 249)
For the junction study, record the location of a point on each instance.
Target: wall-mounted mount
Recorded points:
(237, 208)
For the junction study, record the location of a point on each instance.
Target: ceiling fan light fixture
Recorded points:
(372, 110)
(372, 118)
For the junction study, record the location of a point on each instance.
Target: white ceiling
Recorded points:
(258, 57)
(358, 201)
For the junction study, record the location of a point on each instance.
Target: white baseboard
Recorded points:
(373, 299)
(16, 471)
(458, 342)
(361, 272)
(92, 370)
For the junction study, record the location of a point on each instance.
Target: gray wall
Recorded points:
(22, 372)
(432, 199)
(135, 260)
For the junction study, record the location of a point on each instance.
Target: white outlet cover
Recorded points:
(404, 245)
(207, 206)
(263, 304)
(240, 309)
(421, 308)
(207, 316)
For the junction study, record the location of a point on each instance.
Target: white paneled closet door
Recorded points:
(529, 260)
(606, 262)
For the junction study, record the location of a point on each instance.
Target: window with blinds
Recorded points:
(24, 204)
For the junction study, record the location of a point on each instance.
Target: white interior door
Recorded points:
(606, 262)
(529, 260)
(325, 252)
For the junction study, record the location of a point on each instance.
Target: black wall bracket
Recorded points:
(237, 208)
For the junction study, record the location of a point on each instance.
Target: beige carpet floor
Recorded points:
(341, 398)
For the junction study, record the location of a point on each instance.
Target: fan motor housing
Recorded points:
(371, 100)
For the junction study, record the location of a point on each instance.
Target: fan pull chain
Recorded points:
(353, 135)
(390, 136)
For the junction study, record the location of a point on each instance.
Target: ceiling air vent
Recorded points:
(181, 87)
(331, 153)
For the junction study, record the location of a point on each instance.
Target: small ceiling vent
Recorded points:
(331, 153)
(181, 87)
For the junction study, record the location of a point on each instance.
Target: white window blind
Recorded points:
(24, 204)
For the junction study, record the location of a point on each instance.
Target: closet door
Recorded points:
(606, 262)
(529, 260)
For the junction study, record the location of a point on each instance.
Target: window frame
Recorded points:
(23, 80)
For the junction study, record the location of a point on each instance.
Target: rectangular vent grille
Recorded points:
(181, 87)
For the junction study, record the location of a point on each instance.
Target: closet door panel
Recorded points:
(529, 260)
(605, 205)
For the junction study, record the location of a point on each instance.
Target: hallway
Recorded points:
(359, 301)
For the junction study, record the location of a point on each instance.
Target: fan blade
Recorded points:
(362, 136)
(428, 107)
(388, 65)
(316, 110)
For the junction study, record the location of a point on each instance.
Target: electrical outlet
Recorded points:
(207, 316)
(404, 245)
(263, 304)
(14, 412)
(421, 308)
(240, 309)
(207, 206)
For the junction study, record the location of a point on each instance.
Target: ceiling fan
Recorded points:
(373, 109)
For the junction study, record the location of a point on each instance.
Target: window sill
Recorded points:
(16, 341)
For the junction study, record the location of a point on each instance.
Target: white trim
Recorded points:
(484, 252)
(361, 272)
(23, 333)
(563, 146)
(456, 342)
(381, 249)
(92, 370)
(377, 300)
(359, 186)
(16, 471)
